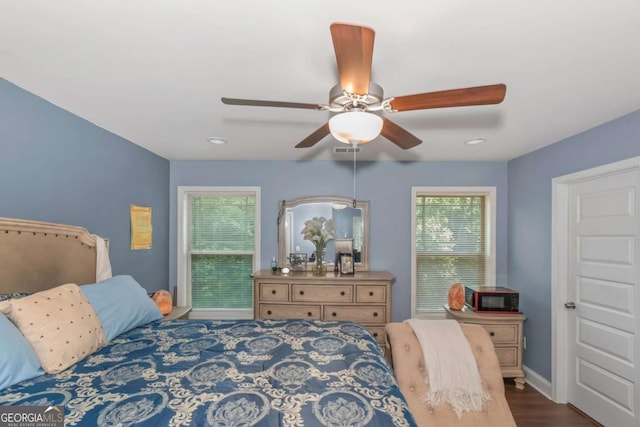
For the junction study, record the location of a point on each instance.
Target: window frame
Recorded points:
(489, 193)
(183, 267)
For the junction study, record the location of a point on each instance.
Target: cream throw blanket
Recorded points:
(452, 372)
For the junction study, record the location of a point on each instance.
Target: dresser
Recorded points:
(363, 297)
(505, 331)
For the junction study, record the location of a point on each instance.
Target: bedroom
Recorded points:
(57, 167)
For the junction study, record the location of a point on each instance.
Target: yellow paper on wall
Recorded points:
(141, 229)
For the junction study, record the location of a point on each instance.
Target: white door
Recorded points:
(602, 283)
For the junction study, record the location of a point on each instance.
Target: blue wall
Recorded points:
(57, 167)
(529, 230)
(387, 186)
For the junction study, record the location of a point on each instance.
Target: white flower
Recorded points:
(319, 230)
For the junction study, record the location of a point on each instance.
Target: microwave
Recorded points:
(496, 300)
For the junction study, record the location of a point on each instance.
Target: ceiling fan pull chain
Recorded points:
(354, 144)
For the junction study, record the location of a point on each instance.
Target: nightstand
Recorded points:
(505, 331)
(178, 312)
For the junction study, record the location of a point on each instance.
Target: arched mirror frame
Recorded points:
(363, 205)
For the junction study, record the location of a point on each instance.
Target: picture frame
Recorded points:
(298, 261)
(346, 264)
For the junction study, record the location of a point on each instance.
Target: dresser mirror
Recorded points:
(349, 223)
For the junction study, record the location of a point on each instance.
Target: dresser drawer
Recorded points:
(324, 293)
(281, 311)
(355, 313)
(378, 334)
(368, 293)
(503, 334)
(274, 292)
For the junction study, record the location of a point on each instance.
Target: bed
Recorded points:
(183, 372)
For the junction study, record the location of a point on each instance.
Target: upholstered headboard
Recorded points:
(36, 255)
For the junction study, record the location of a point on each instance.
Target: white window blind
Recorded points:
(221, 250)
(451, 246)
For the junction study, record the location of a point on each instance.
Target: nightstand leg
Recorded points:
(519, 383)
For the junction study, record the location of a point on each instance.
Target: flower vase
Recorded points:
(320, 266)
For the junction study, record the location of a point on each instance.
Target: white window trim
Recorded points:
(490, 210)
(183, 265)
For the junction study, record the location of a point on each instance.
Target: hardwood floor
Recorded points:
(532, 409)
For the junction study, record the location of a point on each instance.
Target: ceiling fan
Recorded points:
(357, 99)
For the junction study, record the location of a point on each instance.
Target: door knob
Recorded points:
(570, 304)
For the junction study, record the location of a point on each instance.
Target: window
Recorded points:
(453, 239)
(218, 250)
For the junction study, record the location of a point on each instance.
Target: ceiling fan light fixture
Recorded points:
(355, 126)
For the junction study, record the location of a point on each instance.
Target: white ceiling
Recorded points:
(153, 71)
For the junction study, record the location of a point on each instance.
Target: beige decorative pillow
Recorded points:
(60, 324)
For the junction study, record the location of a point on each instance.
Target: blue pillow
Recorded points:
(121, 304)
(18, 360)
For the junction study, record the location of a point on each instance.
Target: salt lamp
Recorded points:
(456, 297)
(162, 299)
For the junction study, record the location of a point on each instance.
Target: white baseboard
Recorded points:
(538, 382)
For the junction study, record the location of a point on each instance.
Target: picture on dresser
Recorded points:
(298, 261)
(346, 264)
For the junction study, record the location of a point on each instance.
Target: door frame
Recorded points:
(559, 268)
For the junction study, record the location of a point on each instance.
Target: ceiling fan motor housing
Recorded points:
(343, 101)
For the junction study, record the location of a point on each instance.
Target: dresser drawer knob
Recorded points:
(375, 314)
(273, 291)
(269, 312)
(334, 314)
(492, 333)
(301, 292)
(342, 293)
(309, 313)
(371, 293)
(375, 334)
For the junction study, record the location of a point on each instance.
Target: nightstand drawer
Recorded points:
(274, 292)
(281, 311)
(326, 293)
(503, 334)
(371, 293)
(507, 356)
(355, 313)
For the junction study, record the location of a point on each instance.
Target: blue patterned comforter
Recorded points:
(227, 373)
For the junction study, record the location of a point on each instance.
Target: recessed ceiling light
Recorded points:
(217, 140)
(475, 141)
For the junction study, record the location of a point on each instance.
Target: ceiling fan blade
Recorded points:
(398, 135)
(353, 45)
(315, 137)
(479, 95)
(256, 103)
